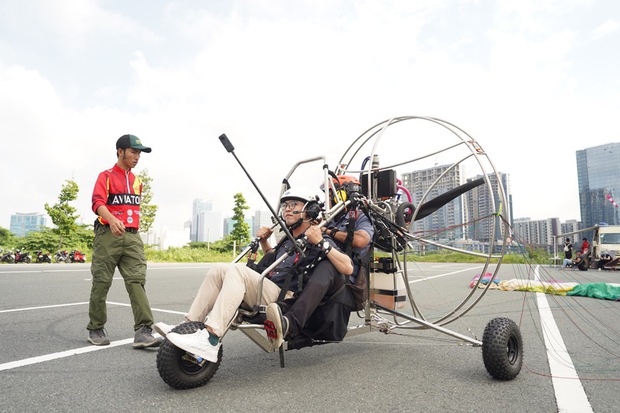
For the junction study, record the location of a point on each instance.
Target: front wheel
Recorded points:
(502, 348)
(180, 369)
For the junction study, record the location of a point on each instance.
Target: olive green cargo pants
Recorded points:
(126, 253)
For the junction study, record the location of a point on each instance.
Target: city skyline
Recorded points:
(598, 171)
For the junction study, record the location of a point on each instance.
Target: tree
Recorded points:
(62, 214)
(147, 211)
(241, 229)
(6, 236)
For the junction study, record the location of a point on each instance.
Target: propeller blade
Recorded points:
(434, 204)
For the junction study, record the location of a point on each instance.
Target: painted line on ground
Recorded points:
(444, 275)
(54, 356)
(159, 310)
(74, 352)
(43, 307)
(569, 393)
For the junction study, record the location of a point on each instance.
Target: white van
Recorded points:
(606, 238)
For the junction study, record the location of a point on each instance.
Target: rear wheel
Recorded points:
(180, 369)
(502, 348)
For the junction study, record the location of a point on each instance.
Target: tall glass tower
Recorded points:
(598, 172)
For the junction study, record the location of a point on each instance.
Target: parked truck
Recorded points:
(606, 238)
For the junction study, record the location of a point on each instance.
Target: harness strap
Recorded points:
(294, 270)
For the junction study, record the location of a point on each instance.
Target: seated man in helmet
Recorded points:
(351, 229)
(352, 232)
(227, 286)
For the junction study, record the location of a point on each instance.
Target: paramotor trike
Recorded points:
(449, 200)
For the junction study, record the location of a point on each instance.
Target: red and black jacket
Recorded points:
(120, 191)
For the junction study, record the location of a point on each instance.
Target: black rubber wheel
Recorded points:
(178, 368)
(502, 348)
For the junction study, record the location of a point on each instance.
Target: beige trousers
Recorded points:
(223, 289)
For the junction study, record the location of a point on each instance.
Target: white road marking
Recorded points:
(62, 354)
(444, 275)
(569, 393)
(41, 307)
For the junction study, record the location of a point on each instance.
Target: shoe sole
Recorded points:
(159, 330)
(102, 343)
(273, 326)
(155, 343)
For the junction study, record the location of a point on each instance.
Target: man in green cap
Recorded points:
(116, 201)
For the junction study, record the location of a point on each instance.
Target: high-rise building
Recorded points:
(481, 205)
(206, 223)
(474, 208)
(229, 225)
(23, 223)
(598, 174)
(572, 226)
(445, 223)
(261, 219)
(539, 233)
(198, 207)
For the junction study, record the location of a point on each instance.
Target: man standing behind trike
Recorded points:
(116, 201)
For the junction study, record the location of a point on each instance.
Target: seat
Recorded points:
(611, 265)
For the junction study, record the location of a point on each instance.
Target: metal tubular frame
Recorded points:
(377, 132)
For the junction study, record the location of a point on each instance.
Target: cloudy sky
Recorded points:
(532, 80)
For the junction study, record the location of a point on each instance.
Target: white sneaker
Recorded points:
(276, 325)
(196, 343)
(162, 328)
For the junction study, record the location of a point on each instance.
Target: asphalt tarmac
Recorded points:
(46, 364)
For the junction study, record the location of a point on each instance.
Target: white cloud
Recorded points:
(287, 85)
(608, 27)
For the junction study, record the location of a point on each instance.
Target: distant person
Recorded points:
(603, 260)
(116, 201)
(578, 262)
(568, 249)
(585, 246)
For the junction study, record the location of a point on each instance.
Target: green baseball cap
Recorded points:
(131, 141)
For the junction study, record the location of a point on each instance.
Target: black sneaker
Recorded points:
(144, 338)
(98, 337)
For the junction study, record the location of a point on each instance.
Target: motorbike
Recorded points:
(61, 256)
(41, 257)
(76, 256)
(23, 256)
(8, 256)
